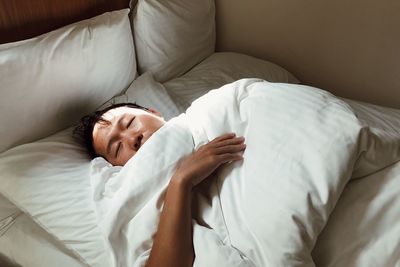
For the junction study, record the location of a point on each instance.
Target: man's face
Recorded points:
(128, 129)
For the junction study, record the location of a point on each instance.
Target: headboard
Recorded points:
(22, 19)
(351, 48)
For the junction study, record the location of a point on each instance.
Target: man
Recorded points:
(119, 131)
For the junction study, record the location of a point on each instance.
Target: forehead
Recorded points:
(114, 113)
(100, 130)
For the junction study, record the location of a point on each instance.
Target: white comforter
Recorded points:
(303, 146)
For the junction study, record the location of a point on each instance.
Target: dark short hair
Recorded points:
(83, 132)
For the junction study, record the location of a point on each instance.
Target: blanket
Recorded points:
(303, 146)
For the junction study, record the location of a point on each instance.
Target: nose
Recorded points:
(134, 139)
(138, 141)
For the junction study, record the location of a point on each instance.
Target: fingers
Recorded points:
(236, 148)
(231, 141)
(227, 144)
(225, 158)
(225, 148)
(224, 137)
(227, 139)
(228, 148)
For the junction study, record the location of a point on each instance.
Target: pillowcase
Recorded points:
(8, 215)
(26, 244)
(49, 181)
(145, 91)
(171, 36)
(222, 68)
(50, 81)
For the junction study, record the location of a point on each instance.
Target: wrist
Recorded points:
(181, 182)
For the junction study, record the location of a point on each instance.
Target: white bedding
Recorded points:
(59, 152)
(358, 249)
(48, 180)
(378, 228)
(27, 244)
(364, 229)
(303, 145)
(62, 215)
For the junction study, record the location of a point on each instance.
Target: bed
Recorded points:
(58, 207)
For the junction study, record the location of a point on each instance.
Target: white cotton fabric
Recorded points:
(219, 69)
(50, 81)
(8, 215)
(27, 244)
(171, 36)
(49, 181)
(363, 230)
(302, 145)
(44, 170)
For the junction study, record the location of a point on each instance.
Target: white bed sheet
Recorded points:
(364, 228)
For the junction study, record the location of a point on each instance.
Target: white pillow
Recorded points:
(171, 36)
(148, 93)
(49, 181)
(25, 243)
(222, 68)
(50, 81)
(8, 215)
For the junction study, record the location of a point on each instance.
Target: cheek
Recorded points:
(126, 155)
(150, 123)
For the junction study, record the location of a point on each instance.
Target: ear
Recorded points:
(155, 112)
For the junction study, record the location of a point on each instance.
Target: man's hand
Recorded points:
(173, 243)
(196, 167)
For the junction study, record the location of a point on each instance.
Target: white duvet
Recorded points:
(303, 145)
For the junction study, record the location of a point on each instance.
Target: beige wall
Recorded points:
(348, 47)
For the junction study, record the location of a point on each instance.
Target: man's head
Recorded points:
(117, 132)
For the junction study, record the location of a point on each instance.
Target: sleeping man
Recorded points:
(117, 133)
(302, 146)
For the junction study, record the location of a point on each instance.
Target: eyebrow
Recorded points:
(110, 142)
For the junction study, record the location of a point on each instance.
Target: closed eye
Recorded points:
(130, 122)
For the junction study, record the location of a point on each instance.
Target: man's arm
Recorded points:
(173, 243)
